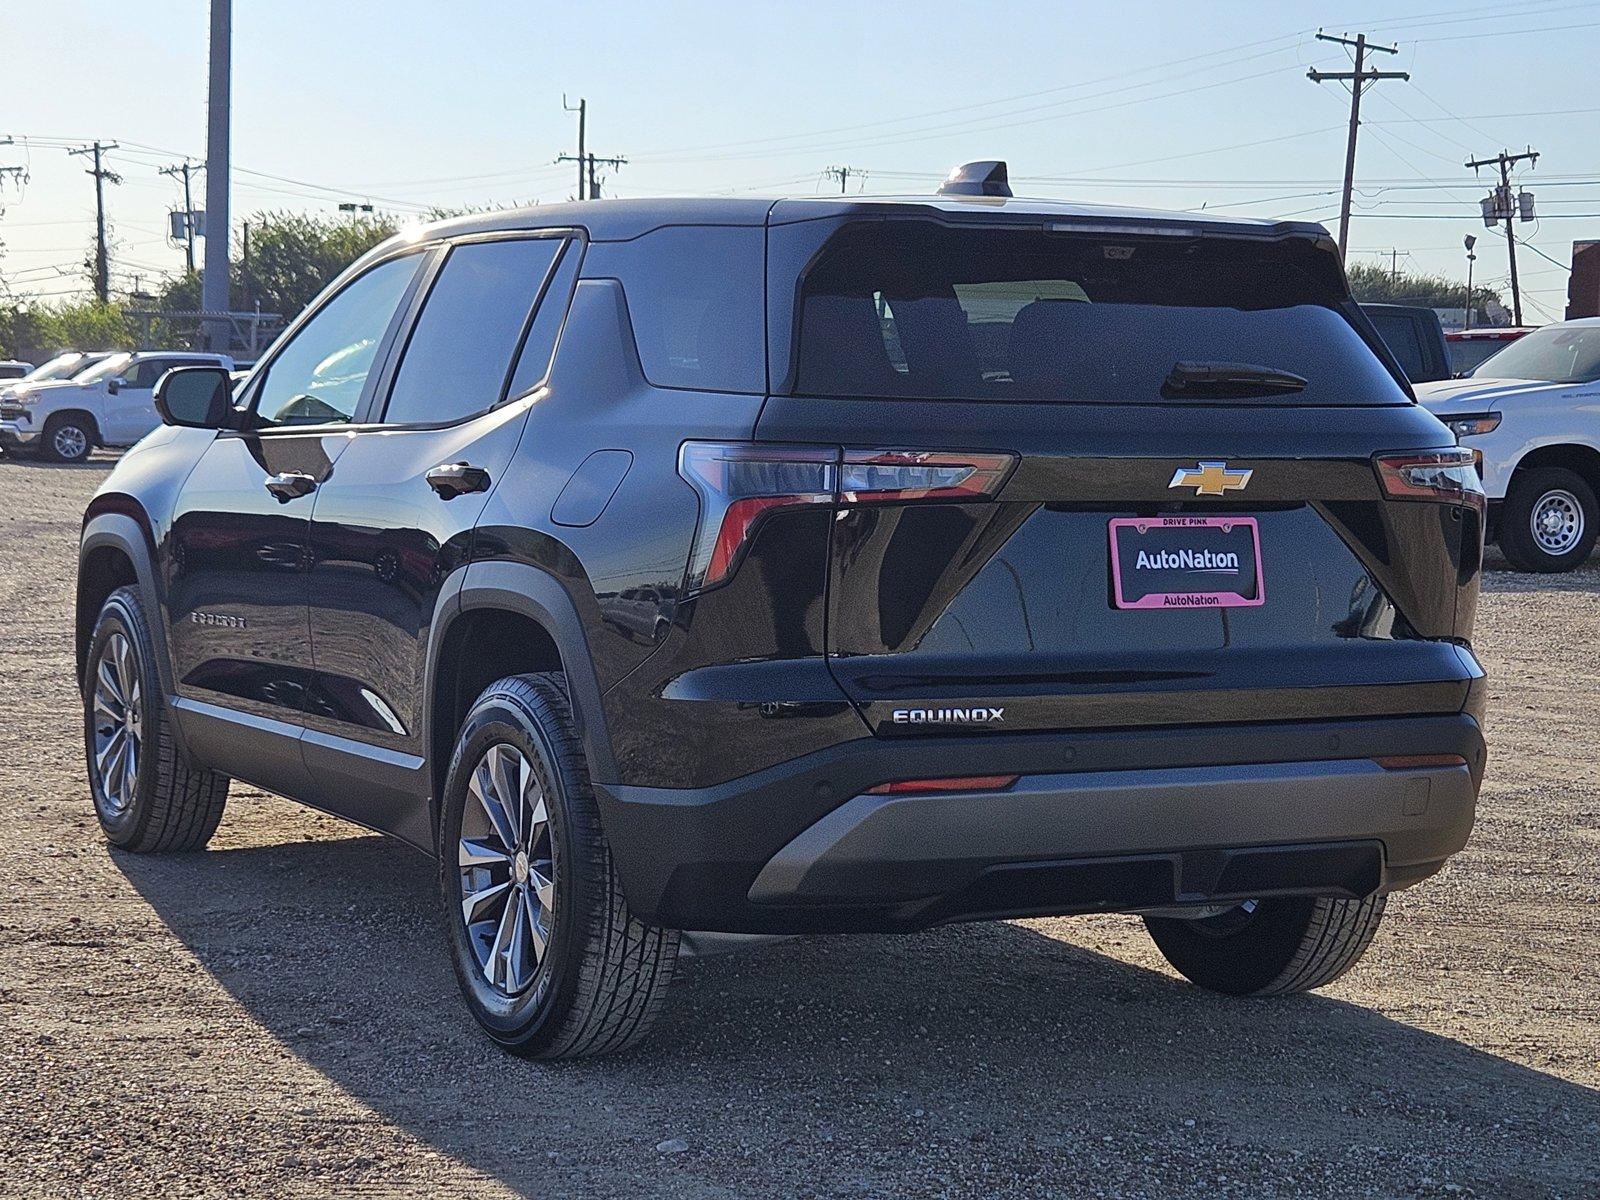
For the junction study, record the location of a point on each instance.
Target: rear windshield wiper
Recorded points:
(1228, 379)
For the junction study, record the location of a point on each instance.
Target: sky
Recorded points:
(407, 105)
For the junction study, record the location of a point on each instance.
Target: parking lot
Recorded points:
(277, 1016)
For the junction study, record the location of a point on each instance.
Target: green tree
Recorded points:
(292, 258)
(1373, 284)
(36, 331)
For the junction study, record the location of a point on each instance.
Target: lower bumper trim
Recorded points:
(877, 848)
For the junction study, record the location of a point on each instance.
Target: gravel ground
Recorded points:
(277, 1017)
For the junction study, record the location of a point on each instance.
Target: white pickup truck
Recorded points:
(111, 404)
(1532, 412)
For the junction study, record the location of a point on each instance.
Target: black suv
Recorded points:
(682, 568)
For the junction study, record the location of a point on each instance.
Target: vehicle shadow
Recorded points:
(978, 1060)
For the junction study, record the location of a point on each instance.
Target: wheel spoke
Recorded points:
(474, 903)
(536, 932)
(475, 852)
(495, 966)
(542, 885)
(517, 945)
(106, 673)
(538, 817)
(127, 676)
(106, 756)
(505, 770)
(482, 786)
(130, 767)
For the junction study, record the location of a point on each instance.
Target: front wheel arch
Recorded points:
(78, 416)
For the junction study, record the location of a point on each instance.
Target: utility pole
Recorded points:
(186, 169)
(244, 269)
(102, 176)
(842, 174)
(586, 170)
(1502, 205)
(594, 176)
(214, 287)
(1358, 80)
(582, 110)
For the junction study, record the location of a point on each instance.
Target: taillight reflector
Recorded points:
(962, 783)
(1413, 762)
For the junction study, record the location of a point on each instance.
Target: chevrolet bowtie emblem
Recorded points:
(1210, 478)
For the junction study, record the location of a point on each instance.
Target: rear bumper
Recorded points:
(1104, 822)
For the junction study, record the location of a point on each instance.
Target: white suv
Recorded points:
(111, 404)
(1532, 414)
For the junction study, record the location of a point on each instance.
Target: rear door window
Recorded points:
(539, 347)
(917, 309)
(459, 355)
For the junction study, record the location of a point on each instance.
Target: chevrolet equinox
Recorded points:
(683, 568)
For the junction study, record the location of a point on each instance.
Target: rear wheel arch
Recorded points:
(509, 619)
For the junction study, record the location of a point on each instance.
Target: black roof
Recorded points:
(620, 220)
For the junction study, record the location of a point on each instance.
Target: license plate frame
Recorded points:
(1187, 598)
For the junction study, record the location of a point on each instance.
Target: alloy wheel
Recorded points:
(70, 442)
(506, 861)
(1557, 522)
(118, 723)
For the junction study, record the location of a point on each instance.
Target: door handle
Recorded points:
(290, 485)
(457, 479)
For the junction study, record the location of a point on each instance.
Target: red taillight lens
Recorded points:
(962, 783)
(740, 482)
(1443, 476)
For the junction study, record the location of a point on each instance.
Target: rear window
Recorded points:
(915, 309)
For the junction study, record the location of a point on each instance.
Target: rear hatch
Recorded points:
(1099, 476)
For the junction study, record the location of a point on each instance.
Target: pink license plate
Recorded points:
(1186, 562)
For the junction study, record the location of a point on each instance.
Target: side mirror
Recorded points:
(196, 397)
(113, 386)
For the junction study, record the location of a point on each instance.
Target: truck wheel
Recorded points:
(67, 438)
(1549, 521)
(1270, 947)
(146, 796)
(550, 960)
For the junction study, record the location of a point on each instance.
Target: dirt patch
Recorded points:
(276, 1017)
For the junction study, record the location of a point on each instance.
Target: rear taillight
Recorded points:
(1443, 476)
(740, 482)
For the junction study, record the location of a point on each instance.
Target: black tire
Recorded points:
(167, 805)
(67, 438)
(1270, 947)
(1564, 497)
(602, 978)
